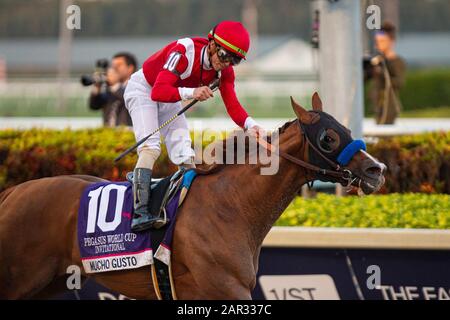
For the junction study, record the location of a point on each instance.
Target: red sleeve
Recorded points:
(234, 108)
(164, 88)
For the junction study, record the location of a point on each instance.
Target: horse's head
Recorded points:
(331, 147)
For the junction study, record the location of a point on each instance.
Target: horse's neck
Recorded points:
(262, 198)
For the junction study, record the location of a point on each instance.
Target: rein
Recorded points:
(338, 171)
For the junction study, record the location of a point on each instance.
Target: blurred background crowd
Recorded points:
(38, 54)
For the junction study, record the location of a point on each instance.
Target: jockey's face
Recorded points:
(215, 61)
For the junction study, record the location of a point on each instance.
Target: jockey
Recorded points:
(181, 71)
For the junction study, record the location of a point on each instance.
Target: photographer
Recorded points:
(387, 70)
(108, 88)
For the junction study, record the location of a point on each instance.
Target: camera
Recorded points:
(99, 75)
(370, 63)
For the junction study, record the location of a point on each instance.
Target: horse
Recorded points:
(220, 226)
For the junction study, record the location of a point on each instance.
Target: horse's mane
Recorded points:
(205, 169)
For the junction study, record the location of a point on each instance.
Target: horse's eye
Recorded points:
(328, 141)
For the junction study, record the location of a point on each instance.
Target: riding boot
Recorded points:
(142, 217)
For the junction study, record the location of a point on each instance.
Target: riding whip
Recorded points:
(213, 86)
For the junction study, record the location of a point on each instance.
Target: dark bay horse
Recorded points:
(220, 226)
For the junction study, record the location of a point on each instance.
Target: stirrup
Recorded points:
(129, 176)
(153, 223)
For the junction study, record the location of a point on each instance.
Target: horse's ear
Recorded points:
(316, 102)
(302, 114)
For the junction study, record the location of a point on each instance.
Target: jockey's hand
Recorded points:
(203, 93)
(257, 131)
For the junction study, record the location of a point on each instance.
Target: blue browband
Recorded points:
(349, 151)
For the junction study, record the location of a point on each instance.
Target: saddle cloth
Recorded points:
(105, 239)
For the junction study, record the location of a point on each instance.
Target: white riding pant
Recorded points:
(147, 115)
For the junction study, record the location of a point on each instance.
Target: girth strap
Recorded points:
(160, 271)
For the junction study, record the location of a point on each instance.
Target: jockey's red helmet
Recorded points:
(232, 36)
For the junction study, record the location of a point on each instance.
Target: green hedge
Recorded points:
(423, 89)
(426, 88)
(37, 153)
(419, 163)
(416, 163)
(374, 211)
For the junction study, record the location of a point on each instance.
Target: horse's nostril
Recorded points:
(374, 171)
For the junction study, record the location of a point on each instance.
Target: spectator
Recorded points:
(109, 97)
(388, 74)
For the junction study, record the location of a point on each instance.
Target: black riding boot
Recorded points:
(142, 218)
